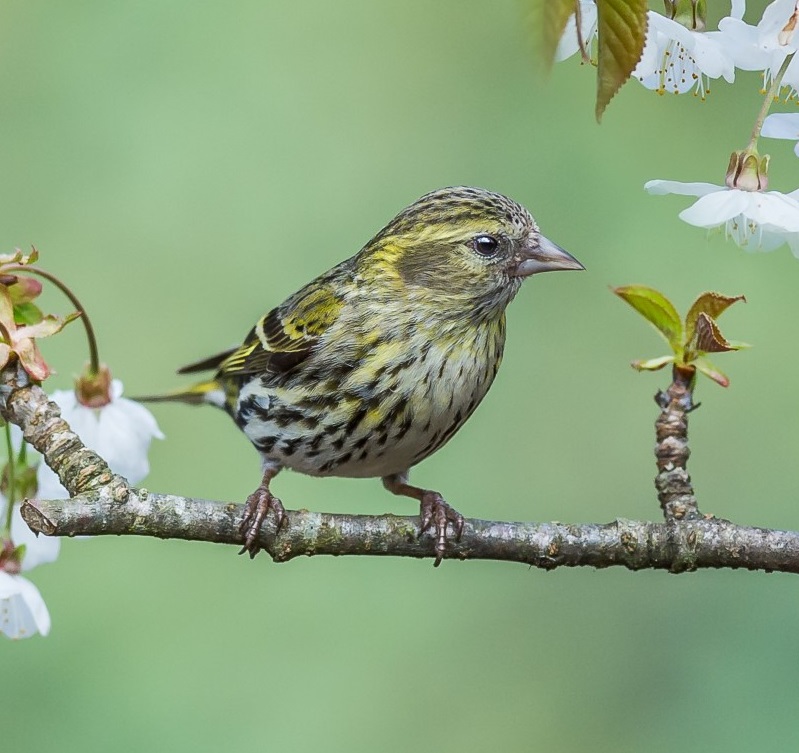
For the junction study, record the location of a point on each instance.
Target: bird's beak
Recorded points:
(543, 256)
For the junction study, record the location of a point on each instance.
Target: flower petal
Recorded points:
(793, 243)
(781, 125)
(774, 211)
(6, 310)
(712, 58)
(671, 29)
(121, 432)
(568, 44)
(662, 187)
(23, 612)
(715, 208)
(5, 354)
(31, 359)
(39, 550)
(740, 40)
(773, 26)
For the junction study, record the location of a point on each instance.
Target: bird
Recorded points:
(375, 364)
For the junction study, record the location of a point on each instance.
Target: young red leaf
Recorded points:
(712, 304)
(708, 338)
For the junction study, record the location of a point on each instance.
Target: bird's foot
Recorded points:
(433, 510)
(256, 508)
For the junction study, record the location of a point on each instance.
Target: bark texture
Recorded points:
(673, 484)
(637, 545)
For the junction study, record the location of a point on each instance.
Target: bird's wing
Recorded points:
(285, 336)
(212, 362)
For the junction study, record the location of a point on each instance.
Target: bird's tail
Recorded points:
(198, 394)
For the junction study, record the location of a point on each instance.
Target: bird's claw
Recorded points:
(256, 508)
(433, 510)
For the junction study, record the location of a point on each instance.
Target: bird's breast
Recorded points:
(374, 412)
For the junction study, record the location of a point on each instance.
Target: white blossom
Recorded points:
(678, 60)
(39, 550)
(119, 432)
(755, 220)
(777, 26)
(23, 612)
(738, 8)
(782, 125)
(764, 47)
(569, 43)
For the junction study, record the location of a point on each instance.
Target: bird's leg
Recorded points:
(432, 510)
(256, 509)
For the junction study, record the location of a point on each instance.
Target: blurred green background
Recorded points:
(185, 166)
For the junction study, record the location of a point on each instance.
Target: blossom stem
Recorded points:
(94, 355)
(771, 95)
(578, 19)
(11, 481)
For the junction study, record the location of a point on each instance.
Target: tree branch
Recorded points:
(675, 546)
(104, 504)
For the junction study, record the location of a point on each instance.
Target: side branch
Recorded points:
(676, 546)
(675, 491)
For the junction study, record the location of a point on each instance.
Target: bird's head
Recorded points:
(467, 247)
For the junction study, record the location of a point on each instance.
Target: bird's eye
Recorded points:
(485, 245)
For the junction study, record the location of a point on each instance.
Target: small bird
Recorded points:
(375, 364)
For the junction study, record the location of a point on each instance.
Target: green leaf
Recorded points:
(712, 304)
(622, 32)
(550, 17)
(656, 309)
(709, 370)
(738, 345)
(27, 313)
(652, 364)
(48, 326)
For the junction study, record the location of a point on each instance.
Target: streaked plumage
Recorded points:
(374, 365)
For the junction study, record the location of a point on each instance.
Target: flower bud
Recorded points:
(748, 171)
(23, 289)
(11, 557)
